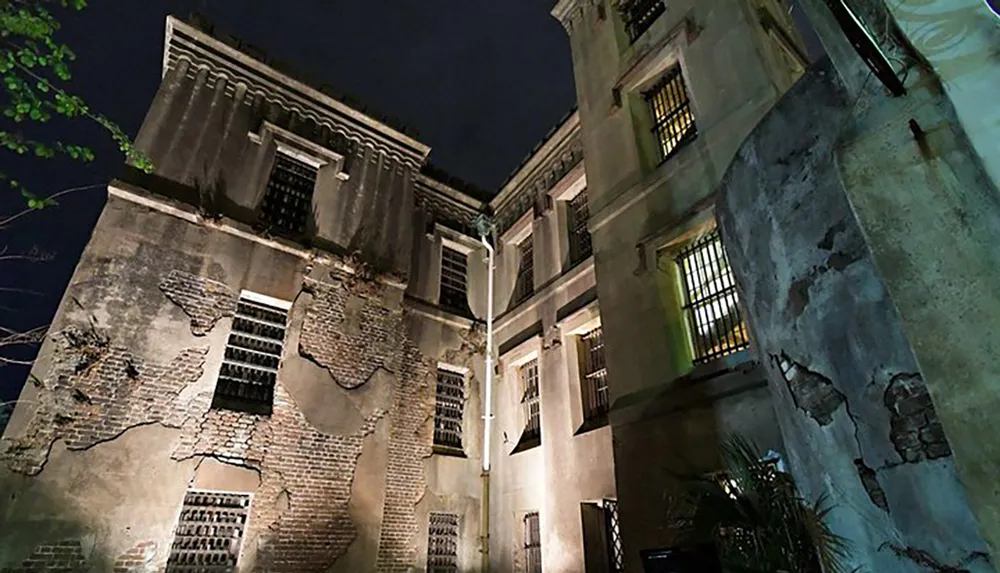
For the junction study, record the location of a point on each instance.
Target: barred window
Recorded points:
(449, 409)
(532, 543)
(579, 236)
(594, 374)
(670, 107)
(639, 15)
(287, 203)
(442, 543)
(616, 557)
(454, 288)
(253, 354)
(530, 401)
(525, 285)
(711, 303)
(209, 532)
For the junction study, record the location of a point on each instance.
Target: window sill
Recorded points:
(591, 424)
(527, 442)
(448, 451)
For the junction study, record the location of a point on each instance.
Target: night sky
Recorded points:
(481, 81)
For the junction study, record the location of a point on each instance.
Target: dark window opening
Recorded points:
(253, 354)
(532, 543)
(442, 543)
(670, 107)
(639, 15)
(454, 281)
(711, 302)
(530, 401)
(525, 285)
(616, 557)
(209, 532)
(579, 237)
(449, 409)
(287, 204)
(595, 375)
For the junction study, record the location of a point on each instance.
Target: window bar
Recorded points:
(442, 543)
(454, 281)
(580, 245)
(616, 557)
(639, 15)
(532, 543)
(524, 286)
(673, 121)
(209, 532)
(595, 373)
(532, 406)
(449, 409)
(287, 202)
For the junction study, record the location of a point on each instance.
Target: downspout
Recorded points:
(485, 228)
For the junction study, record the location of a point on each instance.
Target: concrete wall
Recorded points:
(667, 417)
(850, 396)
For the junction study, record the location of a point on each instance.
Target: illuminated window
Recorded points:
(454, 272)
(639, 15)
(532, 408)
(670, 107)
(287, 203)
(525, 285)
(449, 409)
(253, 354)
(579, 236)
(616, 557)
(711, 303)
(532, 543)
(595, 375)
(442, 543)
(209, 532)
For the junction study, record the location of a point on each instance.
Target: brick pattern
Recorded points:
(915, 430)
(410, 443)
(94, 391)
(869, 479)
(138, 559)
(58, 557)
(349, 331)
(204, 300)
(811, 391)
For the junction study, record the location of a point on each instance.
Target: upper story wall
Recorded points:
(221, 118)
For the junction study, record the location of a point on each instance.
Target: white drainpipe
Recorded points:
(488, 407)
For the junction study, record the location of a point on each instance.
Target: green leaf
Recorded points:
(42, 87)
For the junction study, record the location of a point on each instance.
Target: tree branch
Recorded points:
(5, 222)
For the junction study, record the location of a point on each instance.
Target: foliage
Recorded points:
(34, 71)
(756, 518)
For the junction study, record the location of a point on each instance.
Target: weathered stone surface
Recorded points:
(204, 300)
(812, 293)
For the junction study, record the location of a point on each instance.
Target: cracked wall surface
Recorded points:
(204, 300)
(856, 420)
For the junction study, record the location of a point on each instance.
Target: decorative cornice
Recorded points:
(446, 205)
(203, 52)
(567, 11)
(552, 160)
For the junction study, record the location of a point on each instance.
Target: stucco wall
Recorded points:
(850, 397)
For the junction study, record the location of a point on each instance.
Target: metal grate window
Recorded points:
(454, 272)
(253, 354)
(442, 543)
(449, 409)
(639, 15)
(616, 557)
(287, 203)
(595, 374)
(670, 107)
(532, 406)
(209, 532)
(532, 544)
(579, 237)
(712, 306)
(525, 285)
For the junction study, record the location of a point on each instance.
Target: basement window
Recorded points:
(670, 108)
(449, 409)
(532, 543)
(442, 543)
(594, 374)
(525, 285)
(287, 204)
(253, 355)
(209, 532)
(711, 303)
(454, 281)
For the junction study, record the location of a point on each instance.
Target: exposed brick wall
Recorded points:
(58, 557)
(915, 430)
(204, 300)
(410, 443)
(349, 330)
(95, 390)
(138, 559)
(869, 479)
(811, 391)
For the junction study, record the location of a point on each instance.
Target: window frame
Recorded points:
(531, 401)
(273, 194)
(453, 534)
(638, 16)
(531, 541)
(463, 308)
(593, 380)
(524, 283)
(463, 375)
(246, 513)
(670, 90)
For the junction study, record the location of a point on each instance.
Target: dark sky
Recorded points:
(480, 80)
